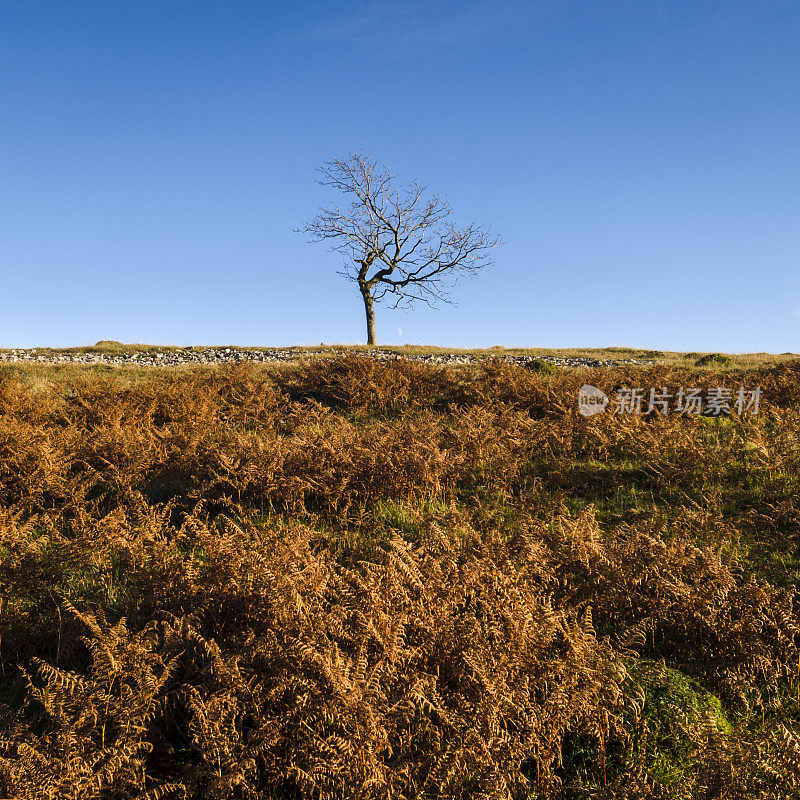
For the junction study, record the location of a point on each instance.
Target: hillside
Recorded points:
(355, 577)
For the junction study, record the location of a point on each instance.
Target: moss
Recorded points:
(674, 703)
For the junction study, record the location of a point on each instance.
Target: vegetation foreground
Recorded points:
(367, 579)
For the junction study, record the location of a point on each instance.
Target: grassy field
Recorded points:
(350, 578)
(659, 356)
(45, 374)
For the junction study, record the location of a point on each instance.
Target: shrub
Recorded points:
(541, 367)
(714, 360)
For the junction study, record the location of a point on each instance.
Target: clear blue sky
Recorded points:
(640, 159)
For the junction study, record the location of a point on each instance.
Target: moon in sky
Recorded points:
(399, 331)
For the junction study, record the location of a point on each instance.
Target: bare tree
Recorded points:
(398, 242)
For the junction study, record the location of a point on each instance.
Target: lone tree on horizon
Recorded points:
(398, 242)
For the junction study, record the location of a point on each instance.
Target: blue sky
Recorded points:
(640, 159)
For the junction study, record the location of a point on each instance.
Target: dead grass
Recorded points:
(364, 579)
(746, 361)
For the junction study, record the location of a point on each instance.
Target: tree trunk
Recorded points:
(370, 312)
